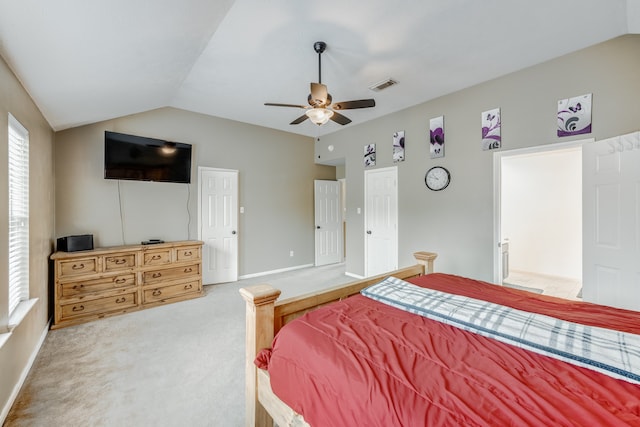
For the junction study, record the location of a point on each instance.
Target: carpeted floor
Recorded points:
(177, 365)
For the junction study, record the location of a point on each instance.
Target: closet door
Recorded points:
(218, 224)
(611, 221)
(381, 220)
(328, 219)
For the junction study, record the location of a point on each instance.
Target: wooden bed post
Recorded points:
(260, 301)
(426, 259)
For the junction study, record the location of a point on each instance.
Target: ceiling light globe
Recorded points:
(319, 116)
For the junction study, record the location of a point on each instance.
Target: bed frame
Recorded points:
(265, 316)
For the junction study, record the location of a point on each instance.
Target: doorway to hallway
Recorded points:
(540, 219)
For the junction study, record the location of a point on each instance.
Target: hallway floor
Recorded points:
(554, 286)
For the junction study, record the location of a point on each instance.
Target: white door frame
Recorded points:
(497, 193)
(202, 169)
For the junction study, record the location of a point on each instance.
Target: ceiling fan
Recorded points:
(320, 110)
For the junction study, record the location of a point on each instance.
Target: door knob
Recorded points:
(233, 232)
(368, 231)
(318, 227)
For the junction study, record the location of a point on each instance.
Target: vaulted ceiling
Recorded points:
(86, 61)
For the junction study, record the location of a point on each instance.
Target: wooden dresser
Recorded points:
(103, 282)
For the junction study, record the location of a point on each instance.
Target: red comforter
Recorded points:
(362, 363)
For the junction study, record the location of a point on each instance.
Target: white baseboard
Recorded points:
(281, 270)
(355, 276)
(23, 376)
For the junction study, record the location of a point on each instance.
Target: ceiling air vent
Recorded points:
(382, 85)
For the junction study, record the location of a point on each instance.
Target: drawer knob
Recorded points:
(156, 292)
(155, 257)
(80, 286)
(156, 275)
(120, 261)
(187, 287)
(188, 253)
(77, 266)
(188, 270)
(77, 308)
(121, 300)
(120, 280)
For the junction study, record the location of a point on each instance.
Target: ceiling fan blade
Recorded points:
(351, 105)
(271, 104)
(339, 118)
(318, 94)
(299, 120)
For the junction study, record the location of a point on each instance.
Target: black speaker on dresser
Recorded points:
(83, 242)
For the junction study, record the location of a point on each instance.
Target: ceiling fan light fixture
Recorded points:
(319, 100)
(319, 116)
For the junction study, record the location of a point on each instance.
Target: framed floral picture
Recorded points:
(369, 155)
(436, 137)
(491, 125)
(398, 146)
(574, 115)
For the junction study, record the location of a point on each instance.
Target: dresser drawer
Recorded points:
(171, 291)
(117, 262)
(81, 287)
(190, 253)
(77, 267)
(156, 257)
(173, 273)
(99, 305)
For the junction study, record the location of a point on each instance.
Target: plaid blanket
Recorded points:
(611, 352)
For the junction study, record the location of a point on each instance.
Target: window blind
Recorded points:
(18, 213)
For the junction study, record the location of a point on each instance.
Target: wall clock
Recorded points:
(437, 178)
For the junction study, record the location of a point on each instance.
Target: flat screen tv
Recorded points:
(146, 159)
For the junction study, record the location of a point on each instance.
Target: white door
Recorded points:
(611, 221)
(381, 220)
(328, 220)
(218, 219)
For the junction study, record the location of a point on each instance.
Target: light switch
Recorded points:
(241, 209)
(358, 211)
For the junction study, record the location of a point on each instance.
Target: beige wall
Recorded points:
(16, 352)
(458, 222)
(276, 173)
